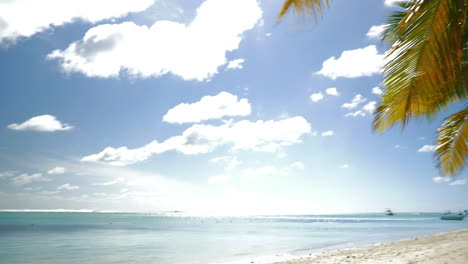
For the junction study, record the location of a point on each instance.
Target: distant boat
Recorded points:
(453, 216)
(389, 212)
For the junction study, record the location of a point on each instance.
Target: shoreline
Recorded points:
(448, 247)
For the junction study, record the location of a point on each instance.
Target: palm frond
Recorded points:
(424, 71)
(452, 143)
(303, 6)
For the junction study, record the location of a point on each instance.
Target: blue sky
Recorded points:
(212, 107)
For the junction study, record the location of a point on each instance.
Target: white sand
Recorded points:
(450, 248)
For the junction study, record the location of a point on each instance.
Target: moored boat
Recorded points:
(452, 216)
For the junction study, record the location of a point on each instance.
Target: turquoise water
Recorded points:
(40, 238)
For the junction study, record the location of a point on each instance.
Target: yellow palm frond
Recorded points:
(452, 143)
(424, 71)
(301, 6)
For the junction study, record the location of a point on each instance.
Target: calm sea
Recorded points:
(48, 238)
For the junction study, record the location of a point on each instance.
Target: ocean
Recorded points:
(99, 238)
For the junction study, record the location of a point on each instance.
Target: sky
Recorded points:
(206, 106)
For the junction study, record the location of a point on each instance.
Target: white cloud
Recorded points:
(458, 182)
(298, 165)
(281, 154)
(376, 31)
(219, 179)
(5, 174)
(358, 99)
(235, 64)
(332, 91)
(353, 63)
(57, 170)
(369, 107)
(392, 2)
(357, 113)
(193, 52)
(344, 166)
(230, 162)
(68, 187)
(26, 179)
(316, 97)
(25, 18)
(109, 183)
(209, 107)
(43, 123)
(268, 34)
(264, 136)
(427, 148)
(258, 172)
(441, 179)
(377, 90)
(328, 133)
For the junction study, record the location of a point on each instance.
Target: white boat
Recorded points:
(389, 212)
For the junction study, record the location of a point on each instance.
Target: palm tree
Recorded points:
(309, 6)
(425, 71)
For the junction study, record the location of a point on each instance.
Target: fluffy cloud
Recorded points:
(298, 165)
(316, 97)
(193, 51)
(230, 162)
(5, 174)
(43, 123)
(259, 172)
(24, 18)
(328, 133)
(265, 136)
(57, 170)
(235, 64)
(392, 2)
(427, 148)
(26, 179)
(376, 31)
(344, 166)
(68, 187)
(332, 91)
(377, 90)
(458, 182)
(369, 107)
(353, 63)
(356, 113)
(358, 99)
(441, 179)
(209, 107)
(219, 179)
(109, 183)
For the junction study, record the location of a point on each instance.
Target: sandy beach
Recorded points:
(451, 247)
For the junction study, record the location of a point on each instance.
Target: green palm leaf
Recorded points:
(301, 6)
(424, 70)
(452, 144)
